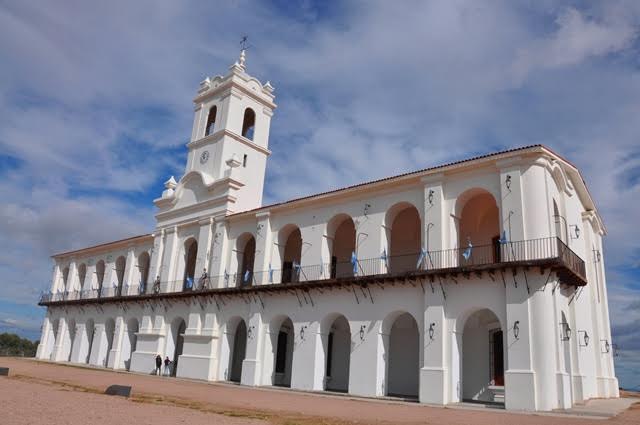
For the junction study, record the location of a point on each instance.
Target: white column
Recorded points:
(365, 374)
(58, 348)
(56, 279)
(167, 275)
(219, 253)
(155, 264)
(44, 339)
(264, 247)
(520, 389)
(251, 366)
(78, 349)
(434, 375)
(116, 347)
(129, 270)
(203, 256)
(73, 281)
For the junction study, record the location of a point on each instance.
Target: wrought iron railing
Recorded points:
(465, 258)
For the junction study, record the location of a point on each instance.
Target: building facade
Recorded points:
(479, 280)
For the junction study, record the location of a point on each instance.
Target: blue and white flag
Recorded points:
(296, 266)
(270, 274)
(189, 282)
(503, 240)
(383, 257)
(423, 253)
(467, 252)
(141, 287)
(247, 275)
(354, 262)
(226, 275)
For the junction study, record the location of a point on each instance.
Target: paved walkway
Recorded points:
(274, 404)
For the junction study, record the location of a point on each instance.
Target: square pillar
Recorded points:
(251, 364)
(204, 249)
(366, 366)
(264, 248)
(167, 273)
(434, 376)
(219, 253)
(150, 341)
(155, 262)
(114, 360)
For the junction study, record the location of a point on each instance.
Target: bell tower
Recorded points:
(228, 148)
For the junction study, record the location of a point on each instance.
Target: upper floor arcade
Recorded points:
(526, 207)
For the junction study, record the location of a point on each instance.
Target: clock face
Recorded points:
(204, 156)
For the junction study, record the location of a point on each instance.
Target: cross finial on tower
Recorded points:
(244, 45)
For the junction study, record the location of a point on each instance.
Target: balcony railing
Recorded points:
(552, 251)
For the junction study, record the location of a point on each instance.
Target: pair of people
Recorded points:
(167, 365)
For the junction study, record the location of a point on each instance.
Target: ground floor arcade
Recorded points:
(479, 338)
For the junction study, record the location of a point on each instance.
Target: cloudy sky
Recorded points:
(95, 109)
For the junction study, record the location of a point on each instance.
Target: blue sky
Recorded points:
(95, 109)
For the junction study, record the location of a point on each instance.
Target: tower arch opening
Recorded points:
(248, 123)
(211, 120)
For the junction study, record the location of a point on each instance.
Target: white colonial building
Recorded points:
(480, 280)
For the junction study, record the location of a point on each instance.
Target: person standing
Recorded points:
(158, 365)
(167, 366)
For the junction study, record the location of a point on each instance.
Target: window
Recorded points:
(211, 121)
(248, 123)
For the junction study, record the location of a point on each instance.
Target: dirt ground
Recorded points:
(37, 392)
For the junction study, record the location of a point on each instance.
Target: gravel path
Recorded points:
(35, 395)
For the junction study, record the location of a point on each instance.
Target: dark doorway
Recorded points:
(497, 358)
(287, 272)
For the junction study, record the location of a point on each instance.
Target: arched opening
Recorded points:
(282, 341)
(238, 351)
(65, 279)
(290, 241)
(190, 255)
(89, 330)
(337, 355)
(82, 275)
(479, 227)
(404, 234)
(100, 275)
(211, 120)
(144, 262)
(341, 232)
(129, 342)
(175, 344)
(482, 358)
(403, 357)
(248, 123)
(109, 329)
(71, 331)
(121, 265)
(246, 252)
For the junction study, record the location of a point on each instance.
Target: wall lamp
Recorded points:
(597, 256)
(362, 328)
(585, 339)
(430, 197)
(507, 182)
(302, 332)
(516, 329)
(250, 331)
(565, 331)
(605, 347)
(576, 231)
(432, 330)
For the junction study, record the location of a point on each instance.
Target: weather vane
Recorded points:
(244, 44)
